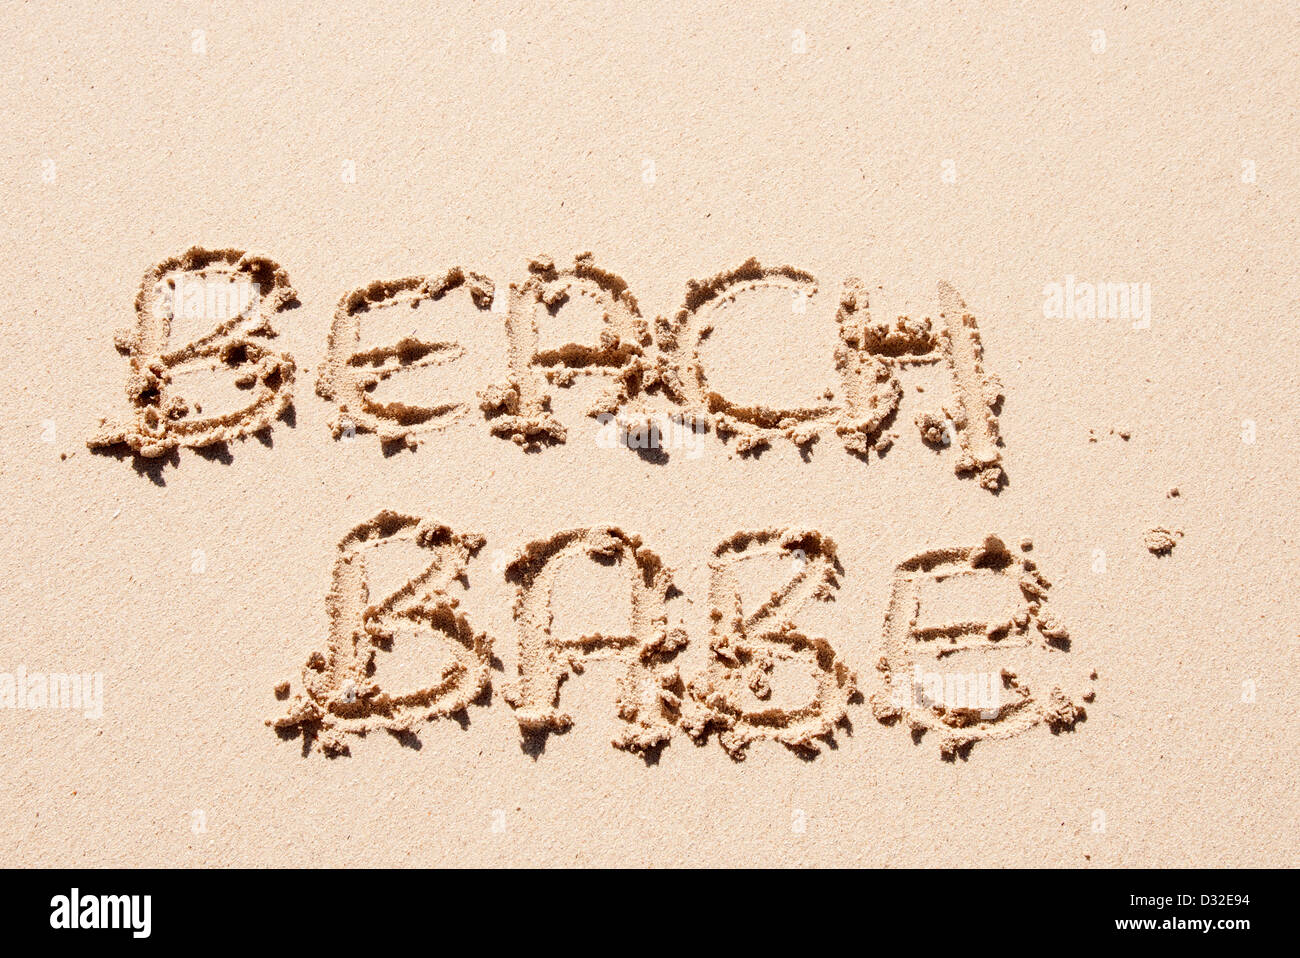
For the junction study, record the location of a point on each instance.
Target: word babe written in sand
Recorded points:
(204, 371)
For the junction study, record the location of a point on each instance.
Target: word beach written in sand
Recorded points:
(204, 369)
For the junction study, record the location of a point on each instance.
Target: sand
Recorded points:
(756, 435)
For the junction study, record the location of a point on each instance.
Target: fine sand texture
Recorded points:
(614, 434)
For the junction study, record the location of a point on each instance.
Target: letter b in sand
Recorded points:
(399, 651)
(202, 371)
(766, 677)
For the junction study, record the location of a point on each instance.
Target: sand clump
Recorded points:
(1160, 541)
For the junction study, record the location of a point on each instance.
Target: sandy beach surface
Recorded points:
(726, 434)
